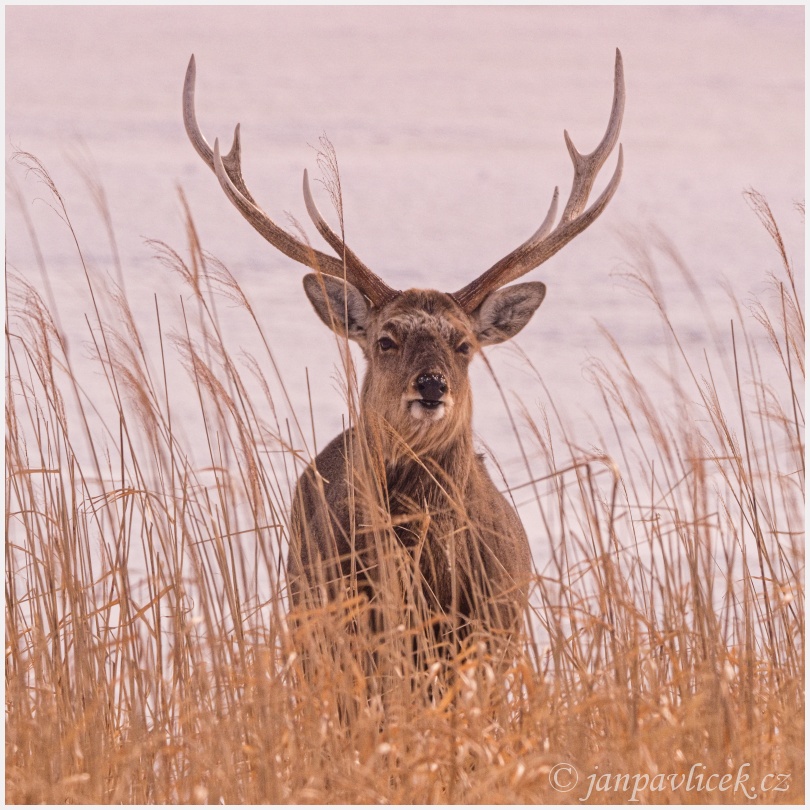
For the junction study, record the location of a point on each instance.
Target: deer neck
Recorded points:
(433, 468)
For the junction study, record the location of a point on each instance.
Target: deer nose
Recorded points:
(431, 386)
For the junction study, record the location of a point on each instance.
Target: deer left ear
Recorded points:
(505, 312)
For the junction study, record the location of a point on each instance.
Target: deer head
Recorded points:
(418, 348)
(419, 343)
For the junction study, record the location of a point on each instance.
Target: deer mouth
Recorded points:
(429, 410)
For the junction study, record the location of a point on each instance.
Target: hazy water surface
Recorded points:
(448, 127)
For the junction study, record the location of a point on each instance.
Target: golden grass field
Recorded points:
(149, 656)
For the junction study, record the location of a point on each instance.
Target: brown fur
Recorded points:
(418, 479)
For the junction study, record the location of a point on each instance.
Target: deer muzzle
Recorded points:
(431, 387)
(430, 399)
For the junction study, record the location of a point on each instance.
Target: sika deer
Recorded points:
(408, 470)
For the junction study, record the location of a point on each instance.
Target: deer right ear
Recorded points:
(340, 305)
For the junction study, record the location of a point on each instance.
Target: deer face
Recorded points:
(419, 347)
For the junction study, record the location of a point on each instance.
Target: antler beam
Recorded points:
(546, 242)
(228, 170)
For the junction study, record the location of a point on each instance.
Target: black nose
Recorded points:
(431, 386)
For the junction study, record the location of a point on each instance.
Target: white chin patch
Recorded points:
(426, 413)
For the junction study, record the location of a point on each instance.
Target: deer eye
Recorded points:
(463, 348)
(386, 344)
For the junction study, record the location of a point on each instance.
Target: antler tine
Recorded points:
(277, 237)
(231, 161)
(586, 167)
(546, 242)
(367, 278)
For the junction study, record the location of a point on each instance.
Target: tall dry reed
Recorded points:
(149, 655)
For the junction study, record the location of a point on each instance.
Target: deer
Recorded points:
(407, 469)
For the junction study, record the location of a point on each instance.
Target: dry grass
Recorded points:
(148, 653)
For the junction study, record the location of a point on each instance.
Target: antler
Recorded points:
(546, 242)
(228, 170)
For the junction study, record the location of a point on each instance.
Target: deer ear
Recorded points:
(340, 305)
(505, 312)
